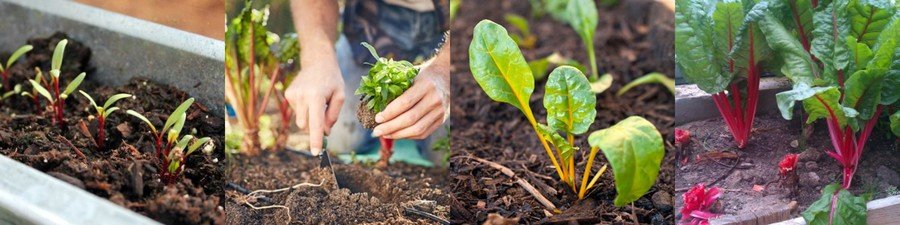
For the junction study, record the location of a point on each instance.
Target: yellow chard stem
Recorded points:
(587, 172)
(537, 132)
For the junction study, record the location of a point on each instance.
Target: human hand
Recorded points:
(421, 109)
(316, 97)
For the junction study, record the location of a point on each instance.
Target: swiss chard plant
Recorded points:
(4, 69)
(172, 148)
(582, 16)
(720, 51)
(255, 70)
(386, 80)
(633, 146)
(842, 63)
(54, 95)
(33, 94)
(103, 112)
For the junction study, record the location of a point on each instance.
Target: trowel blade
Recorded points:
(325, 163)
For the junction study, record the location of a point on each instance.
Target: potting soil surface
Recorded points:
(628, 45)
(712, 153)
(125, 171)
(367, 195)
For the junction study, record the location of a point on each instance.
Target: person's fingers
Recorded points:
(316, 123)
(408, 118)
(421, 127)
(334, 110)
(302, 110)
(402, 103)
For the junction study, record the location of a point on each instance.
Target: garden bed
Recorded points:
(628, 48)
(711, 156)
(125, 171)
(367, 194)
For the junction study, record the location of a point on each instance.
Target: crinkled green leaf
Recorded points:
(885, 47)
(727, 20)
(499, 67)
(749, 34)
(566, 150)
(699, 59)
(829, 43)
(811, 103)
(862, 92)
(860, 54)
(635, 150)
(571, 106)
(849, 209)
(797, 63)
(868, 18)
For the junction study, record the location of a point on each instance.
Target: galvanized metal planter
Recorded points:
(123, 47)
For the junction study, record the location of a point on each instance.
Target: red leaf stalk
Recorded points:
(387, 149)
(697, 203)
(788, 164)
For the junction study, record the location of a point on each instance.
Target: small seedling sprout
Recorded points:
(170, 150)
(4, 70)
(17, 89)
(103, 112)
(57, 98)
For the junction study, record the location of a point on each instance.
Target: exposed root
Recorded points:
(259, 194)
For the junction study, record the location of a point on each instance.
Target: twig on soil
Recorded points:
(256, 194)
(69, 143)
(427, 215)
(731, 170)
(522, 182)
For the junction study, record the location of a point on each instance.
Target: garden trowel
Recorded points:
(325, 163)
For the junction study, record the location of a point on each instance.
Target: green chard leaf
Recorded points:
(18, 53)
(571, 106)
(635, 150)
(177, 114)
(829, 44)
(58, 53)
(72, 85)
(566, 150)
(895, 123)
(868, 18)
(650, 78)
(798, 66)
(499, 67)
(697, 55)
(863, 92)
(848, 209)
(818, 102)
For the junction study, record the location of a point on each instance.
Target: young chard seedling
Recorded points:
(525, 38)
(582, 16)
(102, 113)
(55, 96)
(4, 70)
(17, 89)
(387, 80)
(633, 146)
(170, 150)
(34, 94)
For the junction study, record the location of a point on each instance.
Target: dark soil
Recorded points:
(366, 116)
(367, 195)
(628, 47)
(703, 161)
(124, 172)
